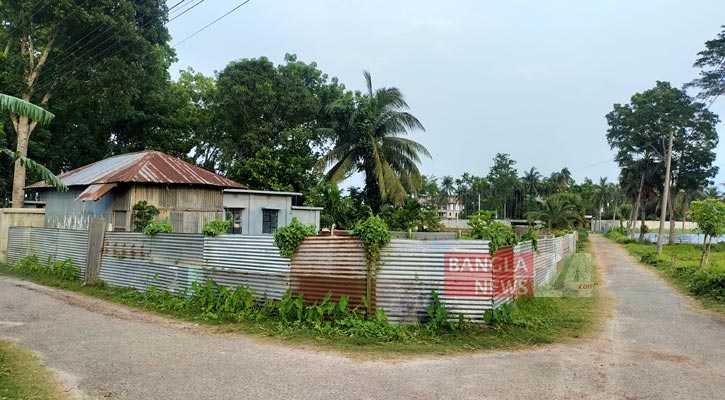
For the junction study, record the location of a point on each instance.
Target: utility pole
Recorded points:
(666, 193)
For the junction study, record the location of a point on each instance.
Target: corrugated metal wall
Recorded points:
(410, 269)
(18, 243)
(330, 264)
(58, 244)
(253, 261)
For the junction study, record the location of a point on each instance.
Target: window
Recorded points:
(119, 221)
(269, 220)
(235, 216)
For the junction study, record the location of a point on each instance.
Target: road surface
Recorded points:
(657, 344)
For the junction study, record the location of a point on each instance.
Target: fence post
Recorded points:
(96, 235)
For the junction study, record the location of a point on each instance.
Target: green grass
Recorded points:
(679, 264)
(533, 321)
(22, 376)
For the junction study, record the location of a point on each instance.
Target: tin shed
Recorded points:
(187, 195)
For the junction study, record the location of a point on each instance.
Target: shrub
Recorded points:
(64, 270)
(155, 227)
(289, 238)
(374, 234)
(483, 226)
(708, 284)
(144, 214)
(216, 227)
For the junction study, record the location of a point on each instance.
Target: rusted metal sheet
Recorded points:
(95, 192)
(142, 167)
(18, 243)
(242, 260)
(412, 269)
(329, 264)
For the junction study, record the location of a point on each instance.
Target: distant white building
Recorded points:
(450, 209)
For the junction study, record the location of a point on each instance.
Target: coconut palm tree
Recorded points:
(558, 213)
(18, 106)
(602, 195)
(531, 181)
(369, 141)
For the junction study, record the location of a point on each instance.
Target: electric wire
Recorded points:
(211, 23)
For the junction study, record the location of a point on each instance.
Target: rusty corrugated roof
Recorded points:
(96, 191)
(142, 167)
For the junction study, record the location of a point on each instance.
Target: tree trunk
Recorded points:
(23, 128)
(671, 206)
(635, 209)
(643, 226)
(665, 193)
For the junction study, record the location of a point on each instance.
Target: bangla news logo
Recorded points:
(503, 274)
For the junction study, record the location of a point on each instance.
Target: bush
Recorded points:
(155, 227)
(216, 227)
(709, 284)
(64, 270)
(289, 238)
(374, 234)
(653, 259)
(483, 226)
(617, 236)
(144, 214)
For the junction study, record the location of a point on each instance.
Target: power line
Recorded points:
(39, 6)
(594, 165)
(50, 78)
(211, 23)
(187, 10)
(177, 4)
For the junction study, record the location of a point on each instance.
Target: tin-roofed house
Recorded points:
(187, 195)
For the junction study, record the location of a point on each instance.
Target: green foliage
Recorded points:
(374, 234)
(156, 226)
(709, 214)
(617, 235)
(289, 238)
(438, 320)
(499, 316)
(143, 214)
(368, 138)
(497, 233)
(64, 270)
(216, 227)
(560, 211)
(412, 216)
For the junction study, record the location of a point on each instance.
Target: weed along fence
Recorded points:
(467, 278)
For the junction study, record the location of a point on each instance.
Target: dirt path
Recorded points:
(656, 345)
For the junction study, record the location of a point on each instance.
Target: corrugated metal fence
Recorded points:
(410, 269)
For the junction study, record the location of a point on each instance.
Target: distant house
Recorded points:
(187, 195)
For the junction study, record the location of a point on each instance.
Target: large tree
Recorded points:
(640, 130)
(712, 74)
(96, 65)
(269, 121)
(504, 182)
(368, 139)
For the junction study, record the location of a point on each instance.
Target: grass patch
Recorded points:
(22, 376)
(334, 325)
(679, 264)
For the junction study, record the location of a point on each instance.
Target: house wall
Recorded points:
(188, 208)
(254, 203)
(10, 217)
(62, 211)
(307, 215)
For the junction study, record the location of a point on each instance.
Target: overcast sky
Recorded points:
(530, 78)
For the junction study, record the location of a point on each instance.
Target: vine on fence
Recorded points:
(289, 238)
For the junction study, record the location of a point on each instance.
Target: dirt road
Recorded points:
(656, 345)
